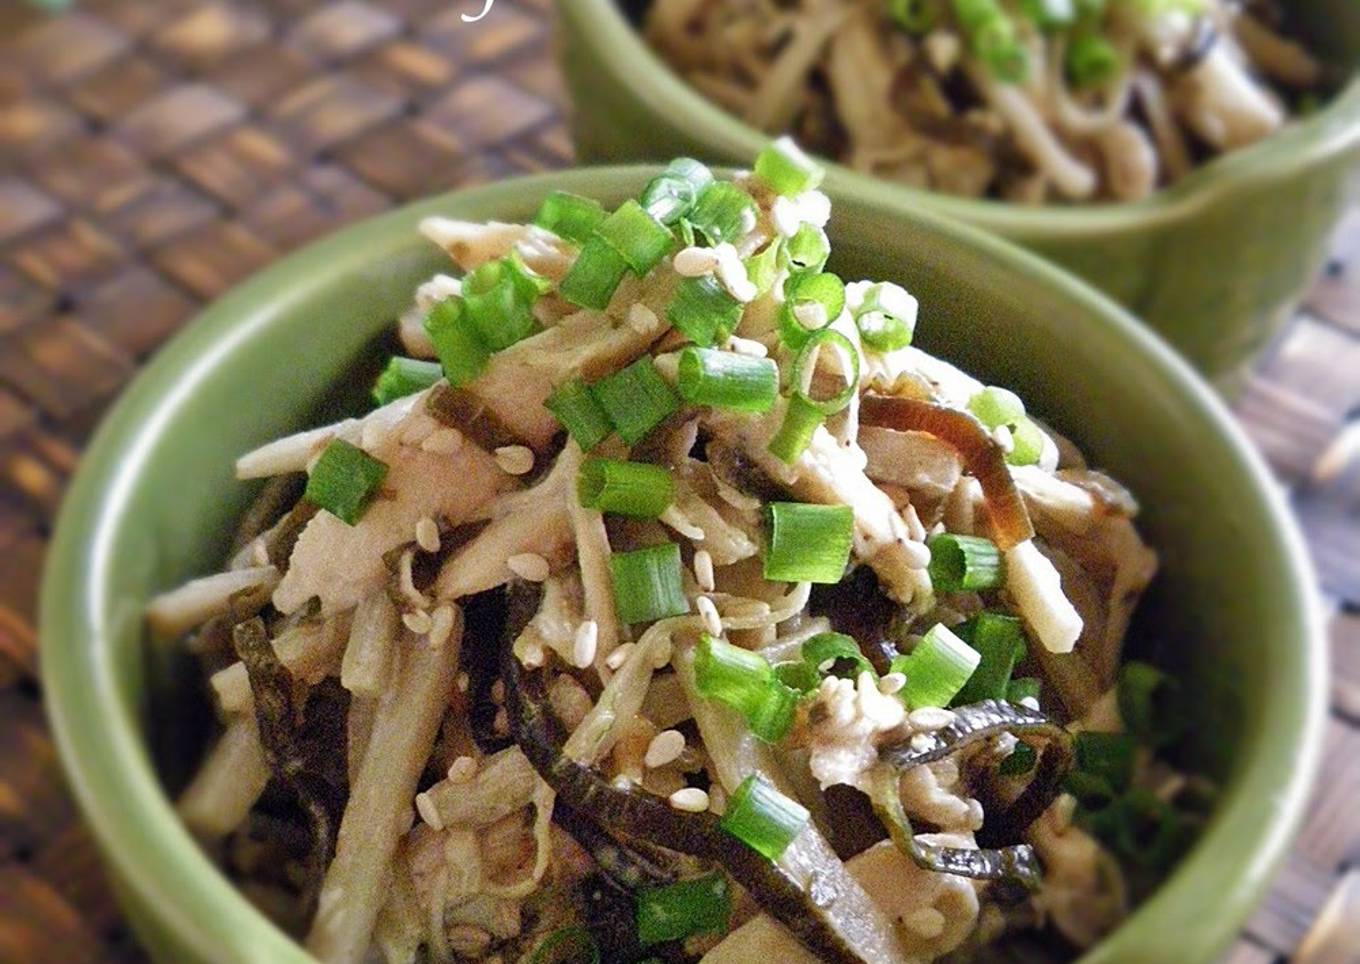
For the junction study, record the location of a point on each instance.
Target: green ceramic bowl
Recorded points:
(154, 501)
(1214, 263)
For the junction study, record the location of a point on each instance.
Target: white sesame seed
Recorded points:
(428, 812)
(665, 747)
(418, 621)
(814, 207)
(533, 656)
(931, 718)
(690, 799)
(529, 565)
(921, 742)
(926, 922)
(462, 681)
(747, 346)
(619, 656)
(438, 288)
(583, 646)
(642, 319)
(1030, 703)
(732, 274)
(501, 724)
(1003, 437)
(446, 441)
(515, 459)
(709, 612)
(784, 217)
(427, 534)
(703, 570)
(441, 626)
(916, 554)
(891, 683)
(462, 769)
(694, 261)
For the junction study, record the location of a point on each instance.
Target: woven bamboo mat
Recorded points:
(154, 152)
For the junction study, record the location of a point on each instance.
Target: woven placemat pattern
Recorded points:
(154, 152)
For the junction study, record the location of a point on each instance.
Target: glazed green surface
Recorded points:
(154, 501)
(1215, 262)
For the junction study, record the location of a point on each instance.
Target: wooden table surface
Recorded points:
(154, 152)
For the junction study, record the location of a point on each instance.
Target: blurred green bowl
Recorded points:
(155, 501)
(1215, 263)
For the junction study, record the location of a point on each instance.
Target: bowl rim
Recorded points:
(624, 55)
(154, 858)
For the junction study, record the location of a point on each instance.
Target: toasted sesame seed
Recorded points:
(784, 217)
(665, 747)
(916, 554)
(619, 656)
(642, 319)
(446, 441)
(462, 681)
(732, 274)
(418, 621)
(930, 718)
(690, 799)
(747, 346)
(529, 565)
(921, 742)
(694, 261)
(462, 769)
(441, 626)
(583, 646)
(891, 683)
(428, 812)
(515, 459)
(427, 534)
(501, 724)
(709, 612)
(703, 570)
(532, 657)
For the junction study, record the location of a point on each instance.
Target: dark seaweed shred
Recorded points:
(858, 608)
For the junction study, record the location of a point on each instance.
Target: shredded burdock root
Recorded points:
(671, 603)
(1027, 102)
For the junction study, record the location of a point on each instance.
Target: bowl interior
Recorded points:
(155, 499)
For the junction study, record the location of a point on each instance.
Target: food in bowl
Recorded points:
(1027, 101)
(672, 604)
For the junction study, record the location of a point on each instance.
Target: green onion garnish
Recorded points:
(916, 17)
(457, 342)
(835, 654)
(1049, 15)
(805, 366)
(800, 424)
(963, 563)
(807, 543)
(640, 238)
(1105, 760)
(570, 216)
(995, 406)
(499, 298)
(670, 195)
(1142, 828)
(886, 318)
(1000, 642)
(745, 681)
(592, 278)
(723, 212)
(1023, 688)
(343, 480)
(703, 311)
(991, 38)
(1021, 761)
(1027, 443)
(786, 169)
(636, 399)
(1091, 61)
(566, 945)
(647, 583)
(700, 905)
(580, 413)
(725, 379)
(762, 269)
(797, 675)
(808, 249)
(817, 298)
(936, 669)
(1149, 703)
(405, 376)
(634, 489)
(763, 818)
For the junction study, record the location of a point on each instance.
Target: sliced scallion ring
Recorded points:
(805, 368)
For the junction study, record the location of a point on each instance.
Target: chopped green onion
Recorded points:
(635, 489)
(636, 399)
(805, 366)
(1001, 643)
(1142, 828)
(807, 543)
(1027, 443)
(725, 379)
(963, 563)
(991, 38)
(703, 311)
(1105, 759)
(1023, 688)
(795, 433)
(1049, 15)
(647, 583)
(641, 239)
(457, 342)
(566, 945)
(405, 376)
(580, 413)
(763, 818)
(745, 681)
(670, 195)
(343, 480)
(886, 318)
(700, 905)
(835, 654)
(820, 295)
(786, 169)
(797, 675)
(808, 249)
(763, 269)
(936, 669)
(570, 216)
(995, 406)
(723, 212)
(1149, 703)
(1020, 761)
(916, 17)
(1091, 61)
(594, 275)
(499, 299)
